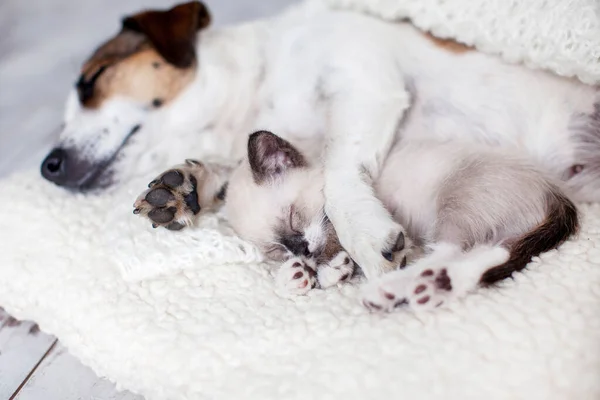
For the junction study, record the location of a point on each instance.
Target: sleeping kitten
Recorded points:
(473, 215)
(480, 214)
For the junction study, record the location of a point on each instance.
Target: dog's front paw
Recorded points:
(338, 270)
(375, 241)
(399, 251)
(295, 277)
(172, 199)
(389, 252)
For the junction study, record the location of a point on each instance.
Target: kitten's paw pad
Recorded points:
(431, 289)
(339, 269)
(428, 289)
(171, 199)
(386, 293)
(295, 277)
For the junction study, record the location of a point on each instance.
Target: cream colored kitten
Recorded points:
(478, 213)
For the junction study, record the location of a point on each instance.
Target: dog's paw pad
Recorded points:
(398, 251)
(172, 198)
(295, 277)
(172, 179)
(398, 245)
(159, 197)
(162, 215)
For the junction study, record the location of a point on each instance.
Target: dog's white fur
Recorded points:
(312, 74)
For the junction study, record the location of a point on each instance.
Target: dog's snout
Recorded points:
(54, 165)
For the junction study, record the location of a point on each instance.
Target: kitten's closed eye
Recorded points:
(294, 221)
(277, 252)
(574, 170)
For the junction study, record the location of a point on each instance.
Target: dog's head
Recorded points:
(275, 200)
(127, 80)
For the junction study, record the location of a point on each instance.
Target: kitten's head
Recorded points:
(275, 200)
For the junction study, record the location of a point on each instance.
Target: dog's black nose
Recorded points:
(53, 166)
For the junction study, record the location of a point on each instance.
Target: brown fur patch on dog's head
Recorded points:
(448, 44)
(150, 60)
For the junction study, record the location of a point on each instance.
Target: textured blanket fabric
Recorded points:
(212, 327)
(560, 35)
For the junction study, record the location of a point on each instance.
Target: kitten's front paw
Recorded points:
(172, 198)
(338, 270)
(419, 290)
(295, 277)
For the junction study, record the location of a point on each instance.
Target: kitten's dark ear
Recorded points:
(172, 32)
(271, 156)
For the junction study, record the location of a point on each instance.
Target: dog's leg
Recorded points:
(178, 195)
(365, 108)
(445, 274)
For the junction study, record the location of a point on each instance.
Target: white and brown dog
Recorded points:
(336, 79)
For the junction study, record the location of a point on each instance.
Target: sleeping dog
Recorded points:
(167, 86)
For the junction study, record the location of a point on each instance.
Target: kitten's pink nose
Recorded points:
(296, 244)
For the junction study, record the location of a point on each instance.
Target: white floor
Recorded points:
(42, 44)
(35, 366)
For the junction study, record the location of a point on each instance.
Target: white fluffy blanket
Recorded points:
(214, 327)
(85, 269)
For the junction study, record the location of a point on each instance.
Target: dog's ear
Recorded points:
(172, 32)
(270, 156)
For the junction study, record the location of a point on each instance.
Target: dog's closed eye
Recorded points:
(157, 103)
(85, 85)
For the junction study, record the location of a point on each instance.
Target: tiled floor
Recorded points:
(35, 366)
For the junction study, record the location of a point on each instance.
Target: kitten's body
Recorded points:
(461, 192)
(477, 214)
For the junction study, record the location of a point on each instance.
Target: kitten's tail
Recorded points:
(562, 222)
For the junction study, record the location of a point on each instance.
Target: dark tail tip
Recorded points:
(562, 222)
